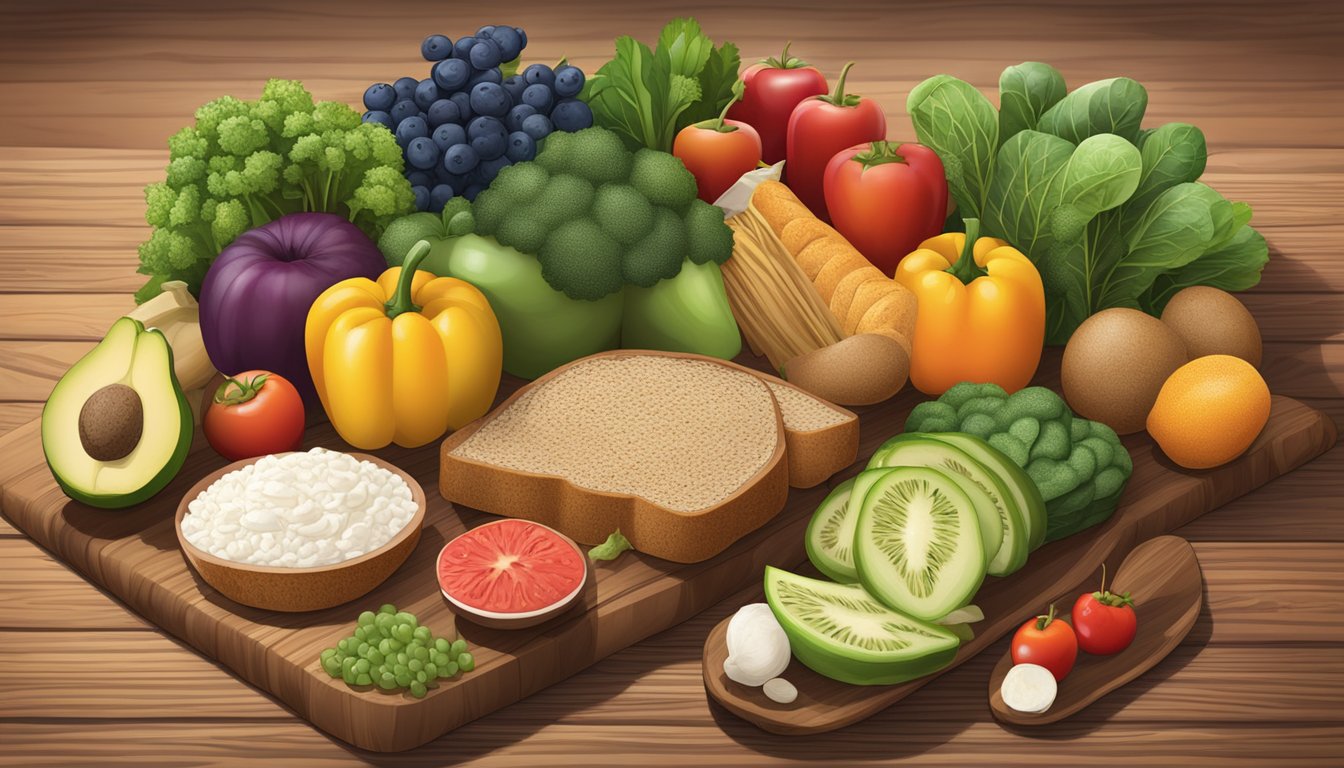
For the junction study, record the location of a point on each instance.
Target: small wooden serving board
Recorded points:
(1160, 498)
(134, 555)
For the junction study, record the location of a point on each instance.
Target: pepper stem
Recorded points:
(966, 269)
(838, 97)
(401, 299)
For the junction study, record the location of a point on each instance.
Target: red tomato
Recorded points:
(886, 199)
(773, 88)
(1106, 622)
(253, 414)
(1048, 642)
(819, 127)
(717, 155)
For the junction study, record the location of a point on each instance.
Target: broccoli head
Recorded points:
(598, 217)
(1079, 466)
(245, 163)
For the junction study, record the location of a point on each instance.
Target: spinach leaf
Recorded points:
(1235, 266)
(1027, 91)
(647, 95)
(1106, 106)
(958, 122)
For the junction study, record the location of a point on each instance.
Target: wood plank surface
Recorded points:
(1266, 84)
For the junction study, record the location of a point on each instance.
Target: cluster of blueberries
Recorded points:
(465, 123)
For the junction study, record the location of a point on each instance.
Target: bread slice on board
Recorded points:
(684, 454)
(822, 438)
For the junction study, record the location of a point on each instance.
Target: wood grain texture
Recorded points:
(1162, 576)
(1159, 498)
(1263, 83)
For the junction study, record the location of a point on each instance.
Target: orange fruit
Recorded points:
(1209, 411)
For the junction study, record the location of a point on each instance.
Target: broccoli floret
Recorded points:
(523, 233)
(520, 183)
(565, 198)
(492, 208)
(708, 237)
(622, 213)
(659, 254)
(555, 153)
(663, 179)
(597, 155)
(582, 259)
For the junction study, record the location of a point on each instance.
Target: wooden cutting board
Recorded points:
(1160, 498)
(134, 555)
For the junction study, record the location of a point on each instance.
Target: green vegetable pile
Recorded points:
(391, 650)
(1080, 466)
(647, 96)
(598, 217)
(1111, 213)
(246, 163)
(587, 248)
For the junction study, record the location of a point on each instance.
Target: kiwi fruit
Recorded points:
(843, 632)
(917, 543)
(1115, 364)
(1212, 321)
(111, 422)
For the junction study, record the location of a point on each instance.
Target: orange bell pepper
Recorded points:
(981, 314)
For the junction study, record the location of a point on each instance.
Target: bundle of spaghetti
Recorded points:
(776, 305)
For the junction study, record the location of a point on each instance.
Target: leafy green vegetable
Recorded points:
(1110, 213)
(246, 163)
(647, 95)
(612, 548)
(1080, 466)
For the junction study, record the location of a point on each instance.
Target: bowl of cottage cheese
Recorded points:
(300, 531)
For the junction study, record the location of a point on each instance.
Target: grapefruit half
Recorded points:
(510, 574)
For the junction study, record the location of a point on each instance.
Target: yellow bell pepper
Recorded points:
(981, 315)
(404, 359)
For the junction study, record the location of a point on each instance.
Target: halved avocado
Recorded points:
(117, 427)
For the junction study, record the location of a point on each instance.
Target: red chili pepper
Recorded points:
(773, 88)
(886, 199)
(819, 127)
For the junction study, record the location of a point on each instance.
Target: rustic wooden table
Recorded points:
(92, 90)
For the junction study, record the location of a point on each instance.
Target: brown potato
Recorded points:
(1212, 321)
(859, 370)
(1115, 365)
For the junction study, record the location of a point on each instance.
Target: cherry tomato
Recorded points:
(1105, 621)
(717, 153)
(1046, 641)
(253, 414)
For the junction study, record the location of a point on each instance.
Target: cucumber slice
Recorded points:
(1005, 532)
(830, 534)
(844, 633)
(1020, 485)
(917, 543)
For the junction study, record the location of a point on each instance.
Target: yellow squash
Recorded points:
(981, 315)
(404, 359)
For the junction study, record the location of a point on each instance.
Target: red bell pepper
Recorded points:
(886, 199)
(717, 152)
(819, 127)
(773, 88)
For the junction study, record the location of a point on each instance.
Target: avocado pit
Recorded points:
(111, 422)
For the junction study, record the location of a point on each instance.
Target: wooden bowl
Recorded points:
(294, 590)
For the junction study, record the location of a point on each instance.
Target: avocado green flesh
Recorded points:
(844, 633)
(1006, 535)
(143, 361)
(1020, 485)
(830, 534)
(917, 543)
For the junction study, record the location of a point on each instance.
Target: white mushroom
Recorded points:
(758, 649)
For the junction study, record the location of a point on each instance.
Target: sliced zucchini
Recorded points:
(830, 534)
